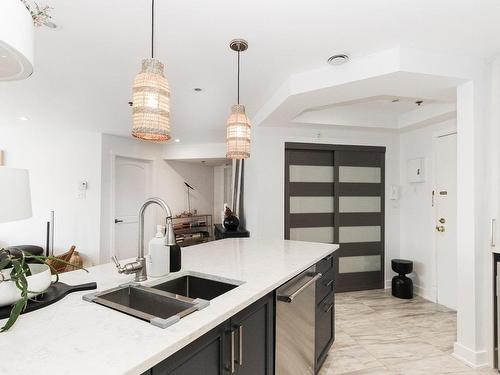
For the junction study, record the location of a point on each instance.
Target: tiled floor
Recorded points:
(377, 334)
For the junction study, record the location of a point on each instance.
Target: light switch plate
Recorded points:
(415, 170)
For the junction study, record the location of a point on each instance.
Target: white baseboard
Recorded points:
(429, 294)
(469, 357)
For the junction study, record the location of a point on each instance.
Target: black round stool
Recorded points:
(402, 286)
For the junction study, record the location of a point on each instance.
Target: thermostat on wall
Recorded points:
(415, 170)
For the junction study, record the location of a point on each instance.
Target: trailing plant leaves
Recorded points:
(20, 270)
(14, 314)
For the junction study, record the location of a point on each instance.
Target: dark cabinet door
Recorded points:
(208, 356)
(253, 331)
(325, 328)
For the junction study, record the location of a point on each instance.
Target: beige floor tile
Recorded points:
(378, 334)
(348, 359)
(442, 364)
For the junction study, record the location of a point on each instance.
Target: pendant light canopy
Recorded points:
(238, 124)
(151, 98)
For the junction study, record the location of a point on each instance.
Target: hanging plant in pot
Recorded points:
(21, 281)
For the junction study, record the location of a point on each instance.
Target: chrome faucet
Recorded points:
(139, 266)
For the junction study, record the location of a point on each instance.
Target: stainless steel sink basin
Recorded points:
(158, 307)
(166, 303)
(195, 287)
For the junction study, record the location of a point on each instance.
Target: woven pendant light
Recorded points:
(151, 99)
(238, 125)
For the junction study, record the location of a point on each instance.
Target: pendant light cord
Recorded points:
(238, 77)
(152, 29)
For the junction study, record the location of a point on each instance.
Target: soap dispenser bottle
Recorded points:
(159, 254)
(175, 258)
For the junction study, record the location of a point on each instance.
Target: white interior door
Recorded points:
(132, 188)
(445, 199)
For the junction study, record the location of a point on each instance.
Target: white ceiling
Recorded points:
(84, 70)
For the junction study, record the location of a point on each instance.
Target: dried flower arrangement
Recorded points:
(40, 14)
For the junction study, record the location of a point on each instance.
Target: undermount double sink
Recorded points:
(164, 303)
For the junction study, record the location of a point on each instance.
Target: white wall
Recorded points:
(416, 212)
(264, 177)
(56, 161)
(168, 182)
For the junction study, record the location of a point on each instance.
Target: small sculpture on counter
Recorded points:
(231, 222)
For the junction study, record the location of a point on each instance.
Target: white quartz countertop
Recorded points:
(73, 336)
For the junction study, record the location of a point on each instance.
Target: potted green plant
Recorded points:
(17, 277)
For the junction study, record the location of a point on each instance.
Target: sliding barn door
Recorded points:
(310, 196)
(335, 194)
(359, 230)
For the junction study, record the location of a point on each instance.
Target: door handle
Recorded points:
(233, 369)
(493, 232)
(327, 308)
(240, 346)
(440, 228)
(118, 221)
(290, 297)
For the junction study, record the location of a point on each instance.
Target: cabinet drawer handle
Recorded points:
(288, 298)
(240, 356)
(232, 353)
(328, 308)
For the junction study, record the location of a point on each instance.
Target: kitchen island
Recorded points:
(73, 336)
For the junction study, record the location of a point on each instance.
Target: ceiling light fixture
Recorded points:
(151, 97)
(337, 60)
(23, 118)
(177, 140)
(238, 125)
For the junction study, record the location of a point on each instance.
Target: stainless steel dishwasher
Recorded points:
(295, 324)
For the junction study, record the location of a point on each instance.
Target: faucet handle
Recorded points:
(115, 260)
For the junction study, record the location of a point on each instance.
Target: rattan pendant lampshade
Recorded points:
(238, 125)
(151, 99)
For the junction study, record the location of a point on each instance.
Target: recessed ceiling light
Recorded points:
(198, 89)
(177, 140)
(339, 59)
(3, 56)
(23, 118)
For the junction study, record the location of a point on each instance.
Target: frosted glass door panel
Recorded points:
(311, 173)
(359, 234)
(368, 263)
(318, 234)
(359, 204)
(359, 175)
(311, 205)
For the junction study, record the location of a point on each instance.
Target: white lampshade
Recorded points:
(15, 194)
(16, 41)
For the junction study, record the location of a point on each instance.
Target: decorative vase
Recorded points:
(231, 222)
(38, 282)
